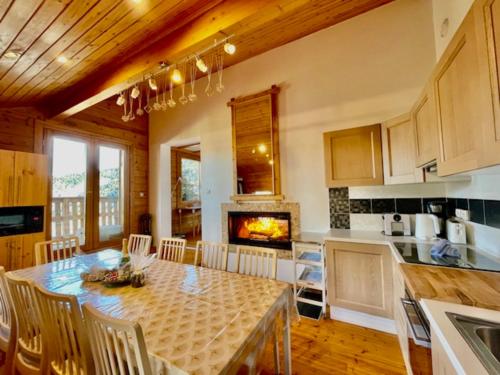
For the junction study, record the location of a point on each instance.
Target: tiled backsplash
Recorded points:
(485, 212)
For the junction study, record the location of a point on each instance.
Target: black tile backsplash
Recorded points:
(481, 211)
(476, 207)
(360, 206)
(492, 213)
(409, 205)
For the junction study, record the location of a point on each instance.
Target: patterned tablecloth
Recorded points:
(195, 320)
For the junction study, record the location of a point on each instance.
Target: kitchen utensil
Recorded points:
(455, 230)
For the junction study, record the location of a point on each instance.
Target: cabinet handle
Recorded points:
(10, 190)
(9, 255)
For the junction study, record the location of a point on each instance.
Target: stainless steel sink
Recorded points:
(482, 336)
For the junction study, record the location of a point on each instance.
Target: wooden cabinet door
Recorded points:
(31, 179)
(360, 277)
(353, 157)
(6, 178)
(16, 254)
(5, 252)
(487, 13)
(441, 364)
(423, 116)
(460, 103)
(398, 145)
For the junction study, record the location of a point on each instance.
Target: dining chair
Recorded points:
(213, 255)
(256, 261)
(29, 357)
(118, 346)
(63, 334)
(172, 249)
(139, 244)
(56, 249)
(7, 324)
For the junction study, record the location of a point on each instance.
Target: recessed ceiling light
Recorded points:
(229, 48)
(62, 59)
(11, 55)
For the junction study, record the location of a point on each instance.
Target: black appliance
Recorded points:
(20, 220)
(421, 254)
(440, 209)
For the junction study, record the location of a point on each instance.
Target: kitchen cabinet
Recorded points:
(353, 157)
(441, 364)
(18, 251)
(398, 144)
(23, 179)
(460, 101)
(423, 118)
(487, 17)
(31, 176)
(6, 178)
(359, 277)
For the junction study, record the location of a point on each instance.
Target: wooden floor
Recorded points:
(332, 347)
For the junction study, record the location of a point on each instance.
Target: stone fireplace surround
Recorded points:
(292, 207)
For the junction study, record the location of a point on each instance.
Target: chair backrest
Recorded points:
(256, 261)
(27, 315)
(6, 322)
(56, 249)
(139, 244)
(118, 346)
(213, 255)
(171, 249)
(63, 334)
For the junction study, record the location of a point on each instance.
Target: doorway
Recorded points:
(186, 193)
(89, 198)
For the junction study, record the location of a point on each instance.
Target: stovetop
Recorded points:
(470, 258)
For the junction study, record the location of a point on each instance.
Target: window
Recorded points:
(190, 177)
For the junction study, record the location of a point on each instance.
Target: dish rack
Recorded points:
(309, 278)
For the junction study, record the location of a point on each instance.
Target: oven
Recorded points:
(419, 336)
(21, 220)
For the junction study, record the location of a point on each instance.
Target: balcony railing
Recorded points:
(68, 215)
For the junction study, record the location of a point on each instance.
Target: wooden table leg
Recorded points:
(287, 347)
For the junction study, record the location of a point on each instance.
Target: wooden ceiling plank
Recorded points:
(101, 51)
(17, 17)
(45, 47)
(36, 27)
(4, 7)
(114, 14)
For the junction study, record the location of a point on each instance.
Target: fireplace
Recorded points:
(267, 229)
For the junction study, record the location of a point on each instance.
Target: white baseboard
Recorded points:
(362, 319)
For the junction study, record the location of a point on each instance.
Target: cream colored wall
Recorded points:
(454, 11)
(359, 72)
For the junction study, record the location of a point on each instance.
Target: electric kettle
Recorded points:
(427, 226)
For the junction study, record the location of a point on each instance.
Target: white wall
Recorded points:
(452, 10)
(359, 72)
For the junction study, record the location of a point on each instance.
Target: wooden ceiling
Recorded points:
(110, 44)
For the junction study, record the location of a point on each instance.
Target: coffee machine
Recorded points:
(440, 209)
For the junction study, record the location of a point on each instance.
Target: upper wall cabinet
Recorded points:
(461, 104)
(423, 117)
(353, 157)
(256, 159)
(487, 17)
(23, 179)
(398, 142)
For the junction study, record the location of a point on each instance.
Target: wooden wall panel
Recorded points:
(22, 129)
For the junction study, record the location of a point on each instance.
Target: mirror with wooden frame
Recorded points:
(256, 161)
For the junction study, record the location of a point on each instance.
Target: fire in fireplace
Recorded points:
(268, 229)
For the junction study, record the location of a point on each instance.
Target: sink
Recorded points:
(482, 336)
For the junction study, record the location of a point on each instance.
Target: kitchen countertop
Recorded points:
(465, 287)
(463, 359)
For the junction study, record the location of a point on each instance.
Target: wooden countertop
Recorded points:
(466, 287)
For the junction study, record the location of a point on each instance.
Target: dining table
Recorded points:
(195, 320)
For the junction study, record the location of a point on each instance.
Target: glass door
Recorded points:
(111, 201)
(69, 189)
